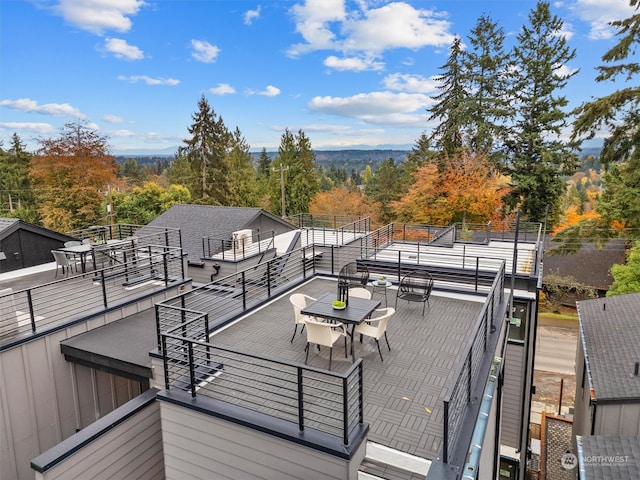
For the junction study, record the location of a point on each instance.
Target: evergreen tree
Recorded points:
(539, 157)
(264, 165)
(296, 161)
(16, 197)
(207, 152)
(485, 66)
(451, 109)
(133, 172)
(619, 112)
(243, 183)
(385, 187)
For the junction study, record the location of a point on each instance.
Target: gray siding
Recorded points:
(133, 449)
(201, 446)
(618, 419)
(512, 395)
(44, 399)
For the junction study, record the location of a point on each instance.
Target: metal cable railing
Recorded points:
(309, 397)
(458, 395)
(127, 274)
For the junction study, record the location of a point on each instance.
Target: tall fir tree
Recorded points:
(296, 163)
(486, 77)
(207, 153)
(16, 196)
(385, 187)
(451, 107)
(243, 182)
(538, 155)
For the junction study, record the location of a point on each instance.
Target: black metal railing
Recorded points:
(458, 394)
(238, 248)
(143, 234)
(334, 222)
(313, 398)
(126, 274)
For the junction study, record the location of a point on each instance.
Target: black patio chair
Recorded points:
(416, 286)
(354, 275)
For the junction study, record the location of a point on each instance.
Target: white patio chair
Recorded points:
(325, 334)
(360, 292)
(376, 327)
(299, 302)
(63, 261)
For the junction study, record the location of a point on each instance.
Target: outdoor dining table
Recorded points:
(357, 310)
(82, 251)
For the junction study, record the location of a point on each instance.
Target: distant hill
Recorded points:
(347, 159)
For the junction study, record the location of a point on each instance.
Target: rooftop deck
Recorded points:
(402, 394)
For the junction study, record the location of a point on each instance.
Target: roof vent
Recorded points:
(604, 306)
(636, 368)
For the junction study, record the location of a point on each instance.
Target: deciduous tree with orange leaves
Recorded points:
(70, 175)
(466, 189)
(342, 200)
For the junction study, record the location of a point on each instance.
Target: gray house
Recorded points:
(607, 406)
(208, 230)
(133, 371)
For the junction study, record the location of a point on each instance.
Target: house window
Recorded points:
(518, 322)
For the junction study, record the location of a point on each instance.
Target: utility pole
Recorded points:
(282, 170)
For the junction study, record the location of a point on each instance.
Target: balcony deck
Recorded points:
(402, 394)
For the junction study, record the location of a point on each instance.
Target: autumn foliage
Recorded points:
(71, 175)
(465, 188)
(342, 201)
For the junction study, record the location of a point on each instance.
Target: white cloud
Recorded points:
(204, 52)
(410, 83)
(312, 22)
(121, 49)
(222, 89)
(38, 128)
(172, 82)
(598, 14)
(57, 109)
(113, 119)
(376, 107)
(251, 15)
(564, 71)
(270, 91)
(352, 64)
(325, 25)
(98, 16)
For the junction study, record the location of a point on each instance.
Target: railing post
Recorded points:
(165, 357)
(300, 401)
(244, 287)
(470, 370)
(345, 412)
(445, 434)
(165, 265)
(360, 394)
(477, 271)
(104, 288)
(192, 370)
(399, 266)
(31, 313)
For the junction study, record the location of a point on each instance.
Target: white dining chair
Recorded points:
(326, 335)
(376, 327)
(299, 302)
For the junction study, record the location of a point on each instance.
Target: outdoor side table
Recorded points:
(384, 285)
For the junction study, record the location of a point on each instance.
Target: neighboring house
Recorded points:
(590, 266)
(25, 245)
(156, 379)
(204, 226)
(606, 457)
(608, 368)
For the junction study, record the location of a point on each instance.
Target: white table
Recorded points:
(384, 284)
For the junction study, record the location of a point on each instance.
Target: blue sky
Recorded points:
(350, 74)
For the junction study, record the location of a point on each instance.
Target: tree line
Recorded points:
(498, 147)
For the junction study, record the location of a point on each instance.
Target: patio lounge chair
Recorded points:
(415, 287)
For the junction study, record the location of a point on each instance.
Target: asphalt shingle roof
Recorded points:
(610, 328)
(604, 458)
(199, 221)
